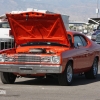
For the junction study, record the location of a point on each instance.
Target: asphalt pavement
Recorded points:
(49, 89)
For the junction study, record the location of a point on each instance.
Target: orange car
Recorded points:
(43, 47)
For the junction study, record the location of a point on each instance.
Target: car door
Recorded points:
(86, 53)
(81, 58)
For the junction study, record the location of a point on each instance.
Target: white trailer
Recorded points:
(6, 41)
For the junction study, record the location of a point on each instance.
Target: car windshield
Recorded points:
(42, 43)
(4, 25)
(98, 28)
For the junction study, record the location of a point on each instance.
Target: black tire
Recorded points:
(92, 73)
(7, 78)
(66, 78)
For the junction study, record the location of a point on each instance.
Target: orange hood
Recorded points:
(34, 26)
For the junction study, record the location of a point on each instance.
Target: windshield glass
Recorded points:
(4, 25)
(42, 43)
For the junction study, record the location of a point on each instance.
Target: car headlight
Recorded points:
(2, 58)
(56, 59)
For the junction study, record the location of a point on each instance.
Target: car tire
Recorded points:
(7, 78)
(92, 73)
(66, 78)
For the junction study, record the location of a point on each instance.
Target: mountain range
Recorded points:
(78, 10)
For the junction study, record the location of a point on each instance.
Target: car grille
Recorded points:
(27, 58)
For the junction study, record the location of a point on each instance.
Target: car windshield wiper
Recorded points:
(43, 43)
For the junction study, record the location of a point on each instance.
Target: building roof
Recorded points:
(94, 20)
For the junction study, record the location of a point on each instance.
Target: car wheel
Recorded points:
(92, 73)
(66, 77)
(8, 78)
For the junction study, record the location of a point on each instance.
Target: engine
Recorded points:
(37, 51)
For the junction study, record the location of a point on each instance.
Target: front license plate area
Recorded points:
(26, 70)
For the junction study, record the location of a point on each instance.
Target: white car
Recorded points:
(6, 41)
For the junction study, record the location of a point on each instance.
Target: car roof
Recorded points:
(74, 32)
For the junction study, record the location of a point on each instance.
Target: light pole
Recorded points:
(97, 9)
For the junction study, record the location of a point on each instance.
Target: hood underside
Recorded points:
(33, 26)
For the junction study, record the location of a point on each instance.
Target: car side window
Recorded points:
(77, 40)
(4, 25)
(84, 41)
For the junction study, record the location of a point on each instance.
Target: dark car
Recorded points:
(94, 35)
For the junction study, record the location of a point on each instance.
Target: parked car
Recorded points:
(44, 47)
(97, 39)
(94, 35)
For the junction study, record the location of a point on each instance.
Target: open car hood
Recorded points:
(35, 26)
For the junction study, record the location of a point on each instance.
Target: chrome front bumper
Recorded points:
(30, 69)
